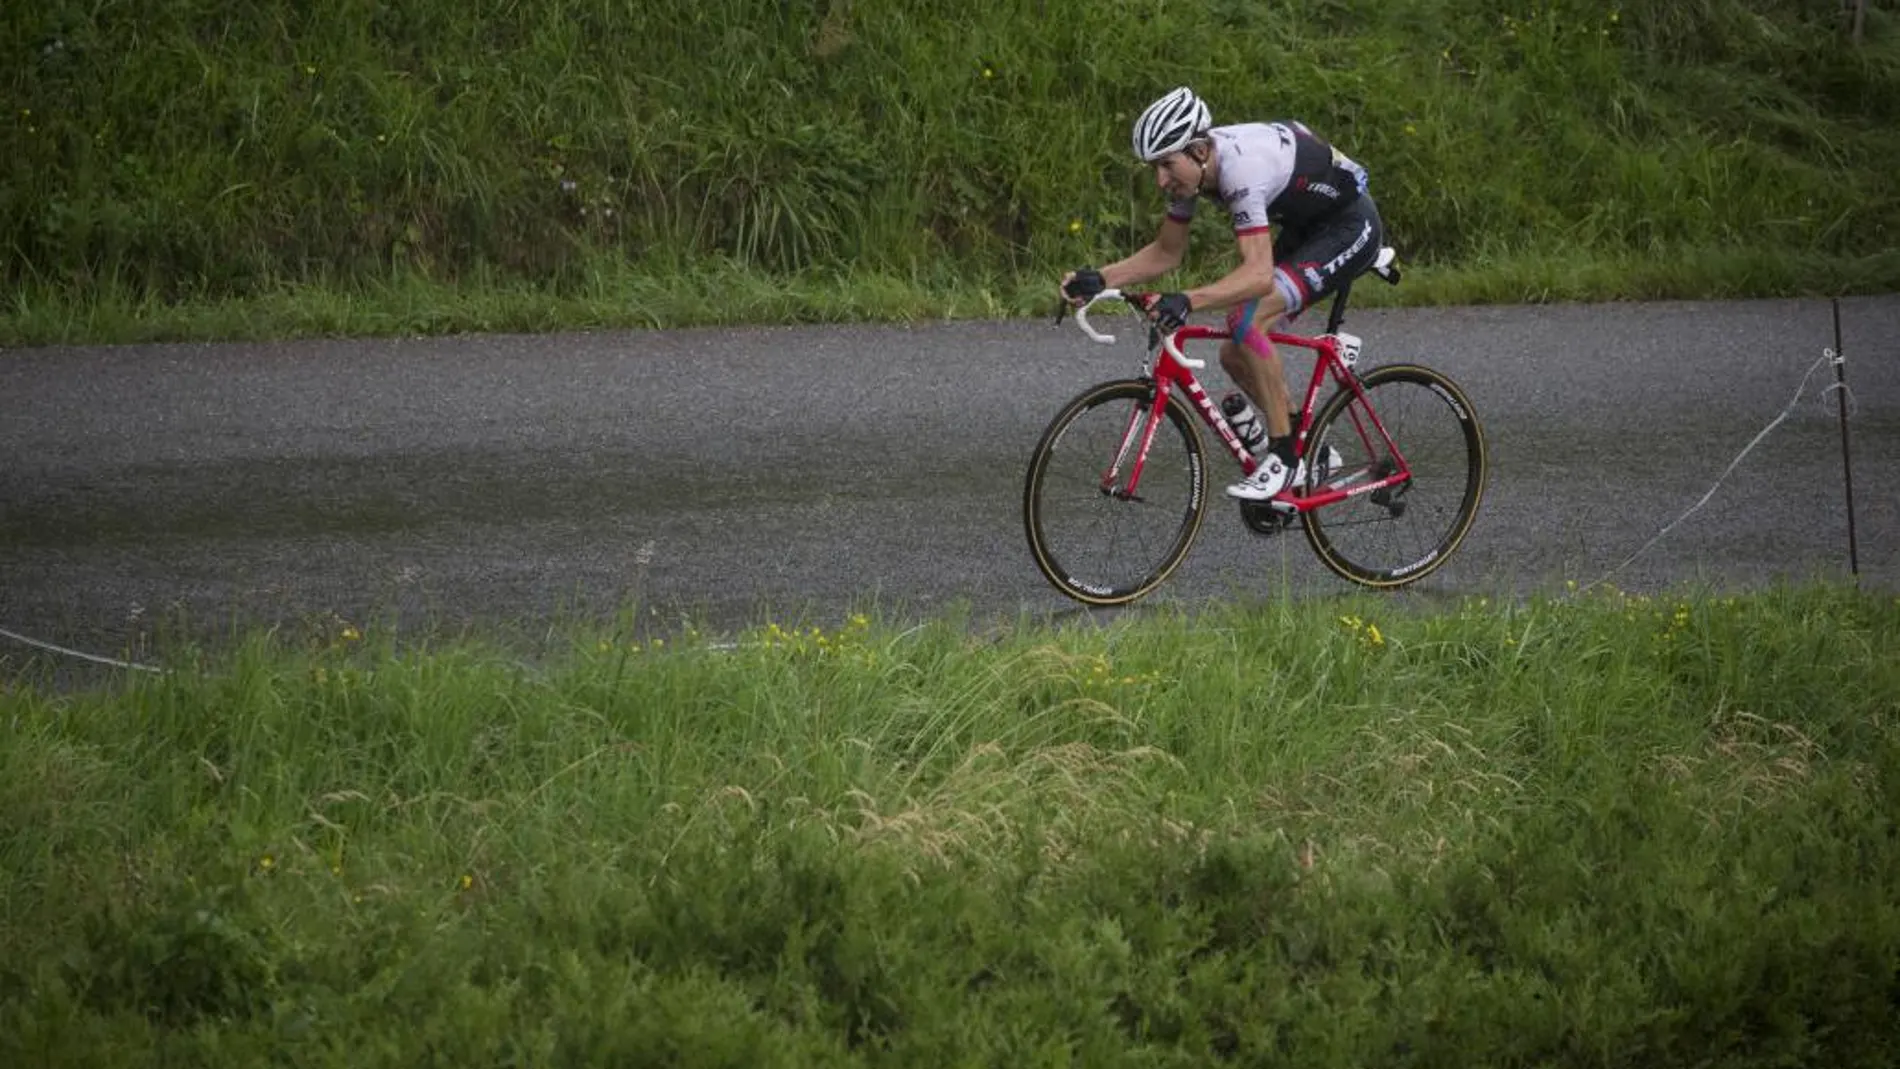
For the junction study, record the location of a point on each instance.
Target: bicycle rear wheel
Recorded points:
(1092, 538)
(1399, 534)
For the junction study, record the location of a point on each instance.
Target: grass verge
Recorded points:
(618, 295)
(1613, 830)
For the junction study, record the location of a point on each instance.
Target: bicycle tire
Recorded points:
(1390, 538)
(1094, 545)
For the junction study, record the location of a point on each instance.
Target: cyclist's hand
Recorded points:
(1169, 310)
(1081, 284)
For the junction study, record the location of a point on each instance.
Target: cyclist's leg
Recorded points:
(1333, 251)
(1253, 365)
(1251, 360)
(1313, 267)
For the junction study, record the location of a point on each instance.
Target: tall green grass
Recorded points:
(196, 150)
(1610, 831)
(720, 291)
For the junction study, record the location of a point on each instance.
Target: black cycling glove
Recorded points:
(1084, 284)
(1170, 311)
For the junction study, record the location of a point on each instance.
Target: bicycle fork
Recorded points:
(1141, 429)
(1137, 437)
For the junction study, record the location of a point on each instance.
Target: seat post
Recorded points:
(1338, 315)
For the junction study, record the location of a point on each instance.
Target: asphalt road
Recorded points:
(733, 476)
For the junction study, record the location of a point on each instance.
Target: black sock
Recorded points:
(1283, 448)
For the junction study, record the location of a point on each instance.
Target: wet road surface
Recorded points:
(732, 476)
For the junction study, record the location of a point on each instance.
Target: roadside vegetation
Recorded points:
(195, 169)
(1600, 830)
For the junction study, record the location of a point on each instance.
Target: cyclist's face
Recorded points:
(1178, 175)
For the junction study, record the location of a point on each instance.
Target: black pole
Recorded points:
(1847, 456)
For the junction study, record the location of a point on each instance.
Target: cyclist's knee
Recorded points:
(1249, 323)
(1244, 330)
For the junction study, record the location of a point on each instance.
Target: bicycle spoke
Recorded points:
(1103, 542)
(1398, 534)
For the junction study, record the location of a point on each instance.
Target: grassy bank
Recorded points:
(1610, 831)
(176, 166)
(719, 292)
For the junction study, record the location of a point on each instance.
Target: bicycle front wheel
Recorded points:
(1106, 522)
(1398, 534)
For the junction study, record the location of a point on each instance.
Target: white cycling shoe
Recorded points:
(1329, 462)
(1271, 477)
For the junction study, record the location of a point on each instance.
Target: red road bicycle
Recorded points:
(1117, 487)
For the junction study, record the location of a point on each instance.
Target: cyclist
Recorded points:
(1265, 174)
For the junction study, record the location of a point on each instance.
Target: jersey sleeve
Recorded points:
(1256, 164)
(1249, 208)
(1182, 210)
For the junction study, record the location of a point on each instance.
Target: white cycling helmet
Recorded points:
(1169, 124)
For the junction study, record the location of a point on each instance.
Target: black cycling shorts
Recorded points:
(1313, 261)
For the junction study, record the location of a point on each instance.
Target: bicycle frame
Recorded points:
(1172, 369)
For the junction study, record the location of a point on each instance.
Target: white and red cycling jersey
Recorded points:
(1277, 173)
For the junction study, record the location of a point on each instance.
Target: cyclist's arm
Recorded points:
(1152, 260)
(1253, 278)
